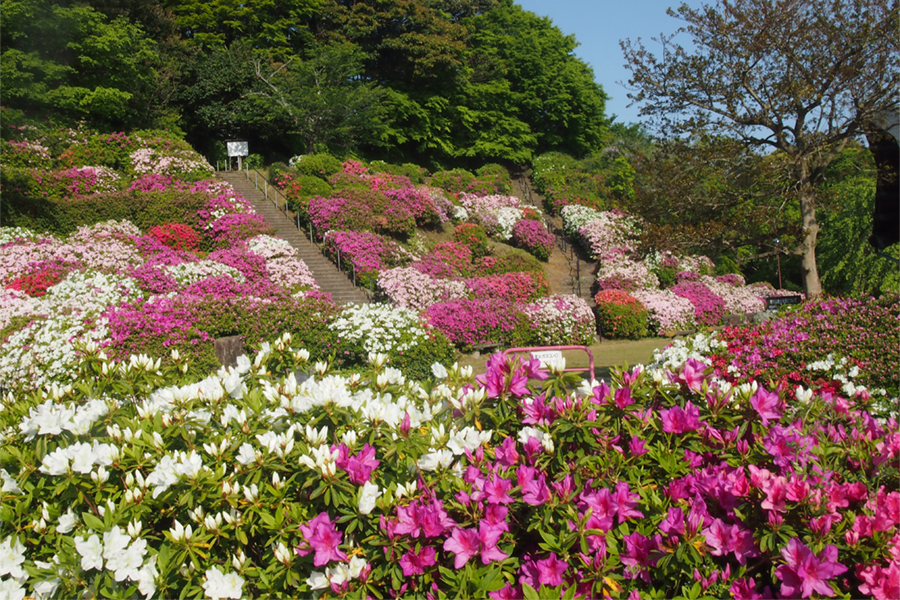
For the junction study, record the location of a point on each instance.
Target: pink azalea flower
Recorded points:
(535, 491)
(673, 524)
(507, 592)
(551, 570)
(804, 573)
(641, 553)
(496, 490)
(600, 394)
(692, 376)
(627, 501)
(680, 420)
(637, 446)
(464, 543)
(623, 398)
(880, 583)
(321, 536)
(506, 453)
(414, 563)
(766, 405)
(744, 589)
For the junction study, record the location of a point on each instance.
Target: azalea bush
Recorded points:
(177, 236)
(474, 238)
(560, 320)
(365, 252)
(532, 236)
(407, 341)
(620, 315)
(834, 345)
(142, 481)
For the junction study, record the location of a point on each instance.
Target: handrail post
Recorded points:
(266, 186)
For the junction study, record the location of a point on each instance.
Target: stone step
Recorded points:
(326, 274)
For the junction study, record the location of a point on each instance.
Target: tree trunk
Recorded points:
(811, 281)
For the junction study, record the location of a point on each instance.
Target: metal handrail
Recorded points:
(312, 237)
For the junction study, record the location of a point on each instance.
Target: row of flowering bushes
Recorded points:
(469, 295)
(142, 481)
(673, 292)
(856, 337)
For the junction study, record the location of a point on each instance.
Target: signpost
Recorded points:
(237, 148)
(776, 301)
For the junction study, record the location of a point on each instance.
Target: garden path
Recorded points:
(569, 270)
(330, 280)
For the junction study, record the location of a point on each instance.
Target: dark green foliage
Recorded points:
(847, 262)
(416, 362)
(318, 165)
(74, 61)
(495, 176)
(454, 181)
(23, 205)
(602, 182)
(415, 173)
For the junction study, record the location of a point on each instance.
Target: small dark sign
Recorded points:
(776, 301)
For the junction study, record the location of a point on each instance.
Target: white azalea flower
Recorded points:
(368, 494)
(317, 581)
(219, 585)
(12, 555)
(91, 551)
(67, 522)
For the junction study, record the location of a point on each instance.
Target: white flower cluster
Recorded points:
(676, 354)
(381, 327)
(576, 216)
(174, 162)
(52, 419)
(337, 574)
(46, 348)
(838, 370)
(12, 234)
(192, 272)
(119, 554)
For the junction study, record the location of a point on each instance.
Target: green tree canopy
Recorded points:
(75, 61)
(802, 77)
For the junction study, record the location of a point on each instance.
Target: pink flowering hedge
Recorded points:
(860, 335)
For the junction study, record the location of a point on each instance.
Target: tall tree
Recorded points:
(74, 61)
(802, 77)
(322, 100)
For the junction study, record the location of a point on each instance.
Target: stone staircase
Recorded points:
(326, 274)
(569, 270)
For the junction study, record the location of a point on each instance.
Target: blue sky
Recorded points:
(598, 25)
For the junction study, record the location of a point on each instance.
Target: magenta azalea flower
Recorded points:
(680, 420)
(805, 573)
(766, 405)
(551, 570)
(641, 553)
(414, 563)
(321, 536)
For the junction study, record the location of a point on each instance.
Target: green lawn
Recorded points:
(607, 354)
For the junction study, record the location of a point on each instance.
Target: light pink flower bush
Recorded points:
(667, 311)
(561, 320)
(411, 288)
(625, 274)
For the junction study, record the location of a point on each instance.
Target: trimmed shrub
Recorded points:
(322, 166)
(533, 237)
(474, 238)
(176, 236)
(454, 181)
(620, 315)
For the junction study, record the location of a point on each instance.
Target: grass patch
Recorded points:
(607, 354)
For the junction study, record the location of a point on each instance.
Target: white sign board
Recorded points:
(547, 356)
(237, 148)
